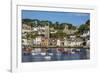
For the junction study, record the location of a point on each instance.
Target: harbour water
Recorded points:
(53, 54)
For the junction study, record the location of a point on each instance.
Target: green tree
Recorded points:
(61, 34)
(26, 21)
(58, 34)
(45, 23)
(88, 22)
(84, 27)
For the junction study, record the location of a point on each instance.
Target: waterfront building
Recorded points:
(26, 29)
(58, 42)
(44, 42)
(69, 31)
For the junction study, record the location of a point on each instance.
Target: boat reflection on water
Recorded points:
(54, 54)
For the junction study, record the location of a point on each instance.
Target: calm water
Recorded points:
(54, 55)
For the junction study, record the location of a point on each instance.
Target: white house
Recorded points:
(66, 43)
(37, 40)
(72, 36)
(85, 34)
(26, 42)
(26, 28)
(73, 42)
(58, 42)
(38, 28)
(88, 43)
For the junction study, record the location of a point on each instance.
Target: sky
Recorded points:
(74, 18)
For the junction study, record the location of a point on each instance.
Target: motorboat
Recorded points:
(47, 58)
(51, 54)
(43, 53)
